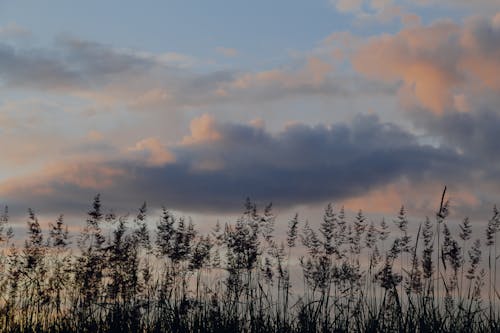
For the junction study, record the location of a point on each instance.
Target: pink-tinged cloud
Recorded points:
(94, 135)
(418, 198)
(385, 13)
(227, 51)
(152, 152)
(95, 175)
(13, 30)
(479, 6)
(377, 11)
(436, 62)
(111, 79)
(313, 74)
(203, 129)
(222, 163)
(346, 6)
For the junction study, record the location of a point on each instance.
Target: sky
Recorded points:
(196, 105)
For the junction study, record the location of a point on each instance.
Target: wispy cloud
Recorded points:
(119, 78)
(227, 51)
(13, 30)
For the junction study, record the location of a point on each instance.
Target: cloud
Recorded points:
(313, 76)
(479, 6)
(94, 135)
(101, 74)
(86, 175)
(300, 164)
(152, 152)
(13, 30)
(227, 51)
(435, 63)
(474, 134)
(418, 198)
(31, 133)
(358, 6)
(448, 68)
(35, 70)
(347, 5)
(377, 11)
(107, 79)
(203, 129)
(385, 14)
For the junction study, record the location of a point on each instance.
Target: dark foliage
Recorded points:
(348, 276)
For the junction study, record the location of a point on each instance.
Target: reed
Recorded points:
(348, 275)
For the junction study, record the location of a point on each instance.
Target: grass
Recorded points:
(355, 275)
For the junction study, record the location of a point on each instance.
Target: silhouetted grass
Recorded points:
(357, 275)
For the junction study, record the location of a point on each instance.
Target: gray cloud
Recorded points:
(146, 81)
(476, 134)
(98, 60)
(301, 164)
(34, 69)
(13, 30)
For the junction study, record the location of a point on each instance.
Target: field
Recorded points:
(117, 275)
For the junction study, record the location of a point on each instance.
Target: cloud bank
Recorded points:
(443, 80)
(227, 162)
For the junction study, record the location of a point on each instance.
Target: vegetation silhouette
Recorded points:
(356, 275)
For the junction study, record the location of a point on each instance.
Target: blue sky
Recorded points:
(263, 31)
(197, 105)
(259, 29)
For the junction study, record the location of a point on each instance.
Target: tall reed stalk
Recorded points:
(158, 274)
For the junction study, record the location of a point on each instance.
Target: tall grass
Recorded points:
(119, 275)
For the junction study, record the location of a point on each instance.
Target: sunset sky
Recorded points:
(197, 105)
